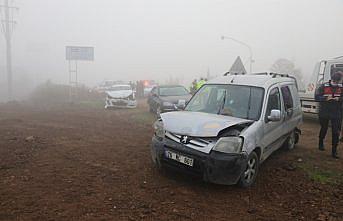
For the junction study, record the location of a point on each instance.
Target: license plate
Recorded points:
(179, 158)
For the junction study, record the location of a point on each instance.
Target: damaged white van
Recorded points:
(229, 127)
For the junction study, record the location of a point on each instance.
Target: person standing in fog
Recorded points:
(329, 95)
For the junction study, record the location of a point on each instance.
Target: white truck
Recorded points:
(322, 73)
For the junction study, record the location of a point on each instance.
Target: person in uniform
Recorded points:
(200, 83)
(329, 95)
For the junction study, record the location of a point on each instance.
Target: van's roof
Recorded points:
(264, 80)
(335, 60)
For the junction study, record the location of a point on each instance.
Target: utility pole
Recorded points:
(7, 24)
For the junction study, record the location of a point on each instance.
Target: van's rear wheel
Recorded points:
(249, 175)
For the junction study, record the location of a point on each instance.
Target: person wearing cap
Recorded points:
(329, 95)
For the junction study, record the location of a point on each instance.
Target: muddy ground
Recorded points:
(84, 163)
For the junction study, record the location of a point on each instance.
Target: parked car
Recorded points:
(120, 96)
(168, 98)
(229, 127)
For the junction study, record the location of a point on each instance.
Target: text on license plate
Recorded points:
(179, 158)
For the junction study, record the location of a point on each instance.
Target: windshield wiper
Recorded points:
(222, 104)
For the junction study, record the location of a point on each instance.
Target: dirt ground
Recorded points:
(86, 163)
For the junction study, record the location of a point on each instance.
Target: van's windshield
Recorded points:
(336, 68)
(232, 100)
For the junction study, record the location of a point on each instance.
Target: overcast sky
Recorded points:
(155, 39)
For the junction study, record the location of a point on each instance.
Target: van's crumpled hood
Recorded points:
(197, 124)
(119, 94)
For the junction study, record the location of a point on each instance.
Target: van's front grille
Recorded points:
(192, 141)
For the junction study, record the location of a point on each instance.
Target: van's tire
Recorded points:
(249, 175)
(297, 135)
(291, 141)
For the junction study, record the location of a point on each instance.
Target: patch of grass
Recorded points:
(321, 175)
(98, 104)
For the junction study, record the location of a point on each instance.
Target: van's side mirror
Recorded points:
(275, 115)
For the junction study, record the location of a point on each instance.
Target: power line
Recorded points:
(7, 24)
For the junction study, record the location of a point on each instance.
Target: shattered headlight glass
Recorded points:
(159, 129)
(229, 145)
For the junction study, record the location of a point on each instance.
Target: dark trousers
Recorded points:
(335, 126)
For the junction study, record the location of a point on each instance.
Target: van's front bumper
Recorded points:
(214, 167)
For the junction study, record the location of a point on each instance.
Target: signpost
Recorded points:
(80, 53)
(73, 55)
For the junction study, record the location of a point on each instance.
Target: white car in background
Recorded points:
(120, 96)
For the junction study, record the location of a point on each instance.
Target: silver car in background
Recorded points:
(231, 125)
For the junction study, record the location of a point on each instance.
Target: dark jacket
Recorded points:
(331, 109)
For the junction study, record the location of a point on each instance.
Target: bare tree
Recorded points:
(285, 66)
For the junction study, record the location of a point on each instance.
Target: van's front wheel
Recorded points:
(249, 175)
(291, 141)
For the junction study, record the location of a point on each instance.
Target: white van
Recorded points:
(230, 126)
(322, 73)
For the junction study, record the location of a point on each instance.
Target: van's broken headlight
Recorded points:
(229, 145)
(159, 129)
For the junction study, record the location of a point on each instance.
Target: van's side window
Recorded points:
(287, 98)
(273, 101)
(295, 96)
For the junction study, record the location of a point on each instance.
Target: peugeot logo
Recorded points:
(184, 139)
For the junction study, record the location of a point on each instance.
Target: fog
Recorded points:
(156, 39)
